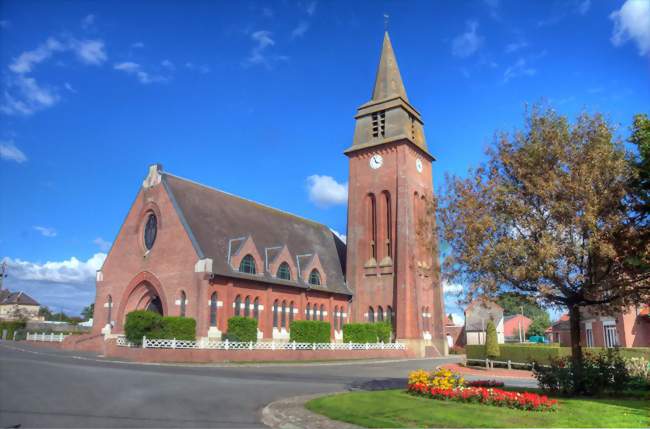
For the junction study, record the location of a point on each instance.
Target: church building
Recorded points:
(187, 249)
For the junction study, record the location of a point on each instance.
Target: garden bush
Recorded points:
(491, 341)
(367, 332)
(141, 323)
(599, 373)
(543, 354)
(180, 328)
(310, 331)
(242, 329)
(11, 327)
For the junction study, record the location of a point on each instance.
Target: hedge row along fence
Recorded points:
(309, 331)
(11, 327)
(543, 354)
(242, 329)
(367, 332)
(152, 325)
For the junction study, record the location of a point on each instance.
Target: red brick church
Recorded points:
(187, 249)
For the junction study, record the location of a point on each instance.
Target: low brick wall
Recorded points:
(217, 356)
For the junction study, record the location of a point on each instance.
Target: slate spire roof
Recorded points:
(388, 82)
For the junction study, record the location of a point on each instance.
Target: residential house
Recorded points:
(477, 314)
(515, 327)
(18, 305)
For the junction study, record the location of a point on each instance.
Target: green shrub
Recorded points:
(491, 340)
(141, 323)
(242, 329)
(310, 331)
(383, 330)
(180, 328)
(11, 327)
(543, 354)
(367, 332)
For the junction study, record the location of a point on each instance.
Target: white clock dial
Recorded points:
(418, 165)
(376, 161)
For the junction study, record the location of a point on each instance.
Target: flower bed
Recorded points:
(444, 384)
(484, 383)
(488, 396)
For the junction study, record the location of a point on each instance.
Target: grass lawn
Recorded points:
(396, 408)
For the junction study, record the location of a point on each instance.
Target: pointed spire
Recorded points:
(388, 82)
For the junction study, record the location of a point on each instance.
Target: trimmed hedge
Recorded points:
(242, 329)
(366, 332)
(543, 354)
(310, 331)
(142, 323)
(181, 328)
(11, 327)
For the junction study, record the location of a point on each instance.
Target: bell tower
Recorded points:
(391, 267)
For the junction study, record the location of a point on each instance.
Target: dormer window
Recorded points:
(379, 124)
(247, 265)
(284, 272)
(314, 277)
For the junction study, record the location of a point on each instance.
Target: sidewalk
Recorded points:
(490, 373)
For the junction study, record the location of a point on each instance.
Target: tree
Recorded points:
(491, 341)
(87, 312)
(45, 313)
(548, 217)
(538, 327)
(641, 183)
(512, 304)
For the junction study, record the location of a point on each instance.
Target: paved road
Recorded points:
(40, 387)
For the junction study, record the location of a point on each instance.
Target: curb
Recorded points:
(290, 413)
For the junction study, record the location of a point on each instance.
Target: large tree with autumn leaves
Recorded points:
(550, 216)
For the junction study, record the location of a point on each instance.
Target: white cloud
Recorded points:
(9, 152)
(311, 8)
(515, 46)
(300, 30)
(136, 70)
(259, 54)
(467, 43)
(451, 288)
(324, 191)
(28, 59)
(67, 285)
(103, 245)
(168, 64)
(88, 21)
(24, 96)
(584, 7)
(203, 69)
(632, 22)
(137, 45)
(90, 51)
(45, 231)
(518, 69)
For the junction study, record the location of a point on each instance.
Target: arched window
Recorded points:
(341, 318)
(110, 309)
(247, 265)
(238, 305)
(389, 225)
(314, 277)
(380, 314)
(284, 315)
(389, 314)
(424, 319)
(322, 312)
(336, 318)
(247, 307)
(256, 309)
(308, 312)
(284, 272)
(275, 313)
(372, 225)
(291, 306)
(371, 315)
(315, 312)
(150, 231)
(428, 324)
(183, 303)
(213, 309)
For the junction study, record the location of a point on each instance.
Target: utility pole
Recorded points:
(3, 273)
(521, 334)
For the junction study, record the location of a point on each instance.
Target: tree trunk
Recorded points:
(576, 348)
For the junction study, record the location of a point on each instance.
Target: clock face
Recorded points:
(418, 165)
(376, 161)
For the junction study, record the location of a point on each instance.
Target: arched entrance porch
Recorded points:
(144, 292)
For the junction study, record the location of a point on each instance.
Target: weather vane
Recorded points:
(386, 18)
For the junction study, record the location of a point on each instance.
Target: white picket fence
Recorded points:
(57, 338)
(272, 345)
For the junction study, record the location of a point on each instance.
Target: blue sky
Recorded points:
(258, 99)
